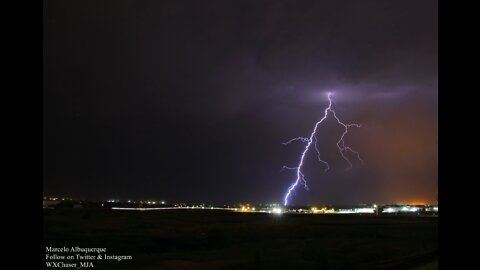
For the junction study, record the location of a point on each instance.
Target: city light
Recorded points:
(277, 211)
(389, 210)
(364, 210)
(272, 208)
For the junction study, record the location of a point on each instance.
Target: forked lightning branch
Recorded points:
(342, 148)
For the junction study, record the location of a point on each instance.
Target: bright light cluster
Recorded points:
(277, 211)
(403, 209)
(323, 210)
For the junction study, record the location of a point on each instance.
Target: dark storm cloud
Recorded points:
(190, 100)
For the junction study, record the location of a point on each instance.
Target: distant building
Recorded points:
(389, 209)
(365, 210)
(360, 210)
(431, 208)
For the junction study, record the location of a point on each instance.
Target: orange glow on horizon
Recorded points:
(418, 202)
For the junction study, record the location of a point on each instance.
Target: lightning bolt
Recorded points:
(342, 148)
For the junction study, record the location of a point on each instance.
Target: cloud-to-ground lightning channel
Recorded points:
(313, 139)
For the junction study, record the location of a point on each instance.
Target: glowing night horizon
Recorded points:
(340, 144)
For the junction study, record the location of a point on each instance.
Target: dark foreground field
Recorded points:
(206, 239)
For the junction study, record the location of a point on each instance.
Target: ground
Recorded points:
(208, 239)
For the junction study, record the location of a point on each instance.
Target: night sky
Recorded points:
(191, 100)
